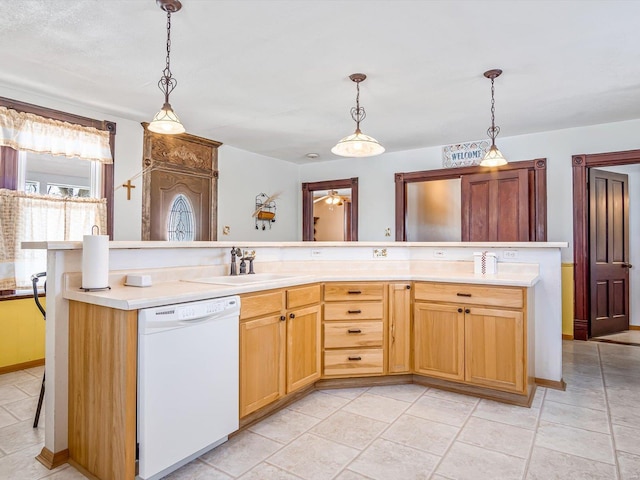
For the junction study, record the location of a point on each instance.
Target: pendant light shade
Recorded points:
(494, 157)
(166, 121)
(358, 144)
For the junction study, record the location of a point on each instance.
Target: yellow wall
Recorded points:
(567, 299)
(21, 332)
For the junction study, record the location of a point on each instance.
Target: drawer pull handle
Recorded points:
(354, 311)
(354, 330)
(354, 292)
(355, 358)
(463, 294)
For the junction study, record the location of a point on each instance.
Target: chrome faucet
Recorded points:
(234, 251)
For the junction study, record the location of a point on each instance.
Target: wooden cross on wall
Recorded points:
(128, 186)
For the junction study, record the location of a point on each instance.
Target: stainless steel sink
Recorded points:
(242, 279)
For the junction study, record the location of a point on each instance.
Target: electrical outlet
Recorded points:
(316, 253)
(226, 230)
(387, 232)
(380, 253)
(510, 254)
(439, 253)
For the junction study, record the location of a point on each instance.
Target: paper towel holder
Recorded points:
(95, 230)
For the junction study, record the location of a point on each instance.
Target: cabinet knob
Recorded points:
(282, 318)
(467, 311)
(459, 310)
(292, 315)
(408, 287)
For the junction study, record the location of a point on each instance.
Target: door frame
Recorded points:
(307, 204)
(537, 170)
(581, 278)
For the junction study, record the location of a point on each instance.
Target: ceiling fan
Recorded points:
(332, 198)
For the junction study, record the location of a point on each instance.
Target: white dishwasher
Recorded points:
(188, 380)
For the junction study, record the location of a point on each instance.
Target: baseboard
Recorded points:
(634, 327)
(21, 366)
(52, 460)
(553, 384)
(567, 337)
(82, 470)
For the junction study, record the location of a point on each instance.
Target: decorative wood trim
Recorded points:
(539, 191)
(307, 204)
(634, 327)
(358, 382)
(107, 170)
(553, 384)
(53, 460)
(581, 279)
(21, 366)
(567, 337)
(82, 470)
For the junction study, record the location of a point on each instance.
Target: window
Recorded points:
(61, 176)
(181, 220)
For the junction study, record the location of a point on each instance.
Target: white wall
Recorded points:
(376, 180)
(331, 225)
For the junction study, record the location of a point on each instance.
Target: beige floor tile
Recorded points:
(632, 369)
(349, 429)
(509, 414)
(264, 471)
(627, 439)
(384, 460)
(10, 394)
(629, 466)
(351, 475)
(406, 393)
(319, 404)
(22, 465)
(625, 415)
(617, 360)
(14, 377)
(378, 408)
(538, 397)
(197, 470)
(580, 358)
(6, 418)
(313, 458)
(66, 472)
(612, 349)
(579, 417)
(580, 397)
(626, 336)
(501, 437)
(575, 441)
(456, 397)
(622, 381)
(30, 387)
(284, 425)
(422, 434)
(625, 396)
(585, 348)
(468, 462)
(441, 410)
(24, 409)
(589, 369)
(349, 393)
(548, 464)
(241, 453)
(583, 381)
(35, 371)
(20, 435)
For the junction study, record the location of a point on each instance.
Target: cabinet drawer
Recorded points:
(255, 305)
(300, 296)
(352, 334)
(470, 294)
(353, 311)
(353, 362)
(336, 292)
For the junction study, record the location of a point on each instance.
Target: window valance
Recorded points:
(33, 133)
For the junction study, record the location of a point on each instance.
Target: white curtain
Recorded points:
(32, 133)
(26, 217)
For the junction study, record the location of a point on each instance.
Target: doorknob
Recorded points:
(626, 265)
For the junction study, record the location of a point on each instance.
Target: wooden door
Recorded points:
(303, 347)
(262, 362)
(399, 327)
(494, 348)
(495, 207)
(609, 251)
(439, 340)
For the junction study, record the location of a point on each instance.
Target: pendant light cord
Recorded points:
(493, 130)
(358, 114)
(167, 83)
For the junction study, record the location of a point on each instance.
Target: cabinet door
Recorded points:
(262, 357)
(439, 340)
(495, 354)
(399, 328)
(303, 347)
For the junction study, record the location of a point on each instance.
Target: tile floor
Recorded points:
(628, 336)
(590, 431)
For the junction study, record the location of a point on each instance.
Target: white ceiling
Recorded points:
(271, 76)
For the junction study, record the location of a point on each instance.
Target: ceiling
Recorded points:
(271, 76)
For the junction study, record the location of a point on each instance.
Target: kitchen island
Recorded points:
(536, 267)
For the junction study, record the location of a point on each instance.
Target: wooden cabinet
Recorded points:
(354, 329)
(473, 334)
(279, 344)
(399, 350)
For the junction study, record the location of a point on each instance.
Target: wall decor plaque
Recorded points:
(464, 154)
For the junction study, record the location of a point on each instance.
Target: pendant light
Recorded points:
(358, 144)
(494, 157)
(166, 121)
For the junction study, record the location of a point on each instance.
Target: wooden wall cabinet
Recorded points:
(399, 355)
(474, 334)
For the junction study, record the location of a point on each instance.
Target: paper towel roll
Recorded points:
(95, 261)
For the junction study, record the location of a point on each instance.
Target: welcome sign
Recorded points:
(464, 154)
